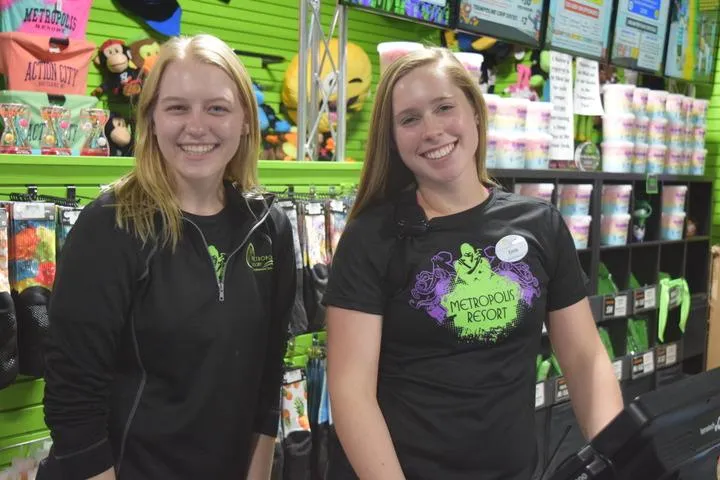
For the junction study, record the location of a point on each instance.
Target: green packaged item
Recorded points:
(543, 369)
(679, 287)
(637, 336)
(37, 100)
(606, 284)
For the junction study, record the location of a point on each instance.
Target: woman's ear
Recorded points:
(245, 129)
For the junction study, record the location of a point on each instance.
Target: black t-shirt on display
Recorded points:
(459, 340)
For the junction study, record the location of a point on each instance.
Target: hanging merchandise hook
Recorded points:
(32, 191)
(71, 192)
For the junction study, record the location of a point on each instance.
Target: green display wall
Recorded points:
(266, 27)
(712, 141)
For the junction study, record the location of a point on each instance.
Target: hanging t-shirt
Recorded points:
(218, 231)
(60, 18)
(32, 62)
(460, 337)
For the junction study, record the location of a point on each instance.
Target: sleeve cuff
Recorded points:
(88, 462)
(567, 302)
(352, 304)
(268, 425)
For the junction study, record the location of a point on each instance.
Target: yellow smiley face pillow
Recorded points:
(359, 76)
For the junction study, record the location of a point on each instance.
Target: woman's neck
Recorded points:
(201, 201)
(448, 200)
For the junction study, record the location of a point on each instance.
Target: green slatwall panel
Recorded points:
(264, 26)
(713, 146)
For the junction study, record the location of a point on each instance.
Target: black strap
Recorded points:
(408, 221)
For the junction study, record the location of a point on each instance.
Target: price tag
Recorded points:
(314, 208)
(661, 355)
(666, 355)
(539, 395)
(671, 354)
(674, 297)
(292, 376)
(649, 361)
(643, 364)
(33, 211)
(616, 306)
(544, 330)
(561, 390)
(69, 217)
(645, 299)
(651, 184)
(618, 369)
(337, 206)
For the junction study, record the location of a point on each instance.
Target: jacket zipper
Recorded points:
(221, 282)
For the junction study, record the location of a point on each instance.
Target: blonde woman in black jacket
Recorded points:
(173, 293)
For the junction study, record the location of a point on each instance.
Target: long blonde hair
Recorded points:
(384, 172)
(148, 189)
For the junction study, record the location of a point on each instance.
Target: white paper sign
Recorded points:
(561, 96)
(587, 87)
(621, 306)
(649, 362)
(539, 395)
(671, 355)
(618, 369)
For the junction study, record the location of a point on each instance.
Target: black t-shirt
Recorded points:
(218, 231)
(459, 340)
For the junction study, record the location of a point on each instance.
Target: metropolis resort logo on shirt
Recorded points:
(478, 293)
(258, 263)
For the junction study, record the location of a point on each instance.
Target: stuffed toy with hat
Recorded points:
(122, 77)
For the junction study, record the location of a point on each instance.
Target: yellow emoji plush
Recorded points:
(359, 76)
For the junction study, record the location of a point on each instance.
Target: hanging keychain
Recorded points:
(66, 218)
(336, 220)
(315, 233)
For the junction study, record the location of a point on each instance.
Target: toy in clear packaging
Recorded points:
(336, 220)
(16, 123)
(92, 124)
(56, 124)
(32, 246)
(67, 216)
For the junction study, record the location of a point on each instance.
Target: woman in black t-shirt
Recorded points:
(438, 293)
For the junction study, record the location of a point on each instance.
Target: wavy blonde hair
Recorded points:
(384, 173)
(149, 190)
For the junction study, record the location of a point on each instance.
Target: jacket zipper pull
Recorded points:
(221, 286)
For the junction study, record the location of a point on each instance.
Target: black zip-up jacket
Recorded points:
(153, 365)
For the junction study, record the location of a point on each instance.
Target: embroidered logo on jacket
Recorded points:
(480, 296)
(259, 263)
